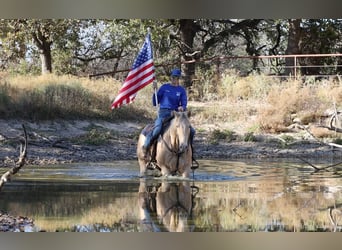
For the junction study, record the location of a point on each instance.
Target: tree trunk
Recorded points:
(45, 58)
(188, 31)
(292, 45)
(44, 46)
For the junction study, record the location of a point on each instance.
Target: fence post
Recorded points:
(295, 67)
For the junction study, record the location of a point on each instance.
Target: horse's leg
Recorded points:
(143, 167)
(140, 155)
(165, 171)
(186, 173)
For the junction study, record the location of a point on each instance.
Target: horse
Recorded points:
(173, 150)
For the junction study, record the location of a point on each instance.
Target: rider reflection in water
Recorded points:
(171, 97)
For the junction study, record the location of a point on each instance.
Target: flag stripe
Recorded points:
(125, 96)
(148, 64)
(130, 80)
(140, 81)
(136, 83)
(135, 86)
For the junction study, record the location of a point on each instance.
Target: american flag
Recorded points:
(140, 75)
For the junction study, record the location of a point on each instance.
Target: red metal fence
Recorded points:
(274, 65)
(300, 65)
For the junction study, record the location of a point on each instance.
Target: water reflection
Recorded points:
(225, 196)
(166, 206)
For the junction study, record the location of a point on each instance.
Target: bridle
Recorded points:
(177, 152)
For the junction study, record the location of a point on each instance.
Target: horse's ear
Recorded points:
(188, 113)
(174, 113)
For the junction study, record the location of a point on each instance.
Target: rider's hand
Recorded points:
(155, 85)
(180, 109)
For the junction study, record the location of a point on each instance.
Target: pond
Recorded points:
(222, 196)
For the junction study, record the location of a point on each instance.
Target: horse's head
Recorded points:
(180, 130)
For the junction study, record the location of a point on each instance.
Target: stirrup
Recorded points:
(194, 164)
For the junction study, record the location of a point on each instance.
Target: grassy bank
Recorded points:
(256, 103)
(65, 97)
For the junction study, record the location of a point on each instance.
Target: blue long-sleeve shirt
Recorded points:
(171, 97)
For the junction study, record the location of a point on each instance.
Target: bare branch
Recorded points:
(322, 168)
(19, 164)
(310, 164)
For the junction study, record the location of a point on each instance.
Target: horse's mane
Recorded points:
(177, 117)
(180, 115)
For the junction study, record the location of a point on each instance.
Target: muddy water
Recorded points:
(222, 196)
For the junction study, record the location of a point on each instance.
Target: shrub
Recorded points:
(217, 135)
(249, 137)
(338, 141)
(94, 137)
(5, 99)
(284, 101)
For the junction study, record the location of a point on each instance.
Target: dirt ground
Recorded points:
(52, 142)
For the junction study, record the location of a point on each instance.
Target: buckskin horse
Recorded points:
(173, 149)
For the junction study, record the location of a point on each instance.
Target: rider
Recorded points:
(170, 96)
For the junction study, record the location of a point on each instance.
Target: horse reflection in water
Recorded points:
(166, 206)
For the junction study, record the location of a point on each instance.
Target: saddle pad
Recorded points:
(148, 129)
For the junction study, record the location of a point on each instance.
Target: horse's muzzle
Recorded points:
(182, 148)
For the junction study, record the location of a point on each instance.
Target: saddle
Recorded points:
(149, 127)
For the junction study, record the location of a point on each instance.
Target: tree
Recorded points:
(321, 36)
(294, 37)
(199, 37)
(188, 29)
(109, 45)
(12, 49)
(97, 46)
(39, 34)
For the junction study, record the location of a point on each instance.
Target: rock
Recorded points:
(11, 223)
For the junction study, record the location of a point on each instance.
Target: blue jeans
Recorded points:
(162, 115)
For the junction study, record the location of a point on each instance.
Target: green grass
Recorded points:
(224, 135)
(94, 137)
(338, 141)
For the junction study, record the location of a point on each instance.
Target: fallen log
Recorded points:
(19, 164)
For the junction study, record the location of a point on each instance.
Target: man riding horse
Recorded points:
(170, 96)
(169, 155)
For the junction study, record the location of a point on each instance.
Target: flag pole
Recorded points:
(156, 98)
(154, 82)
